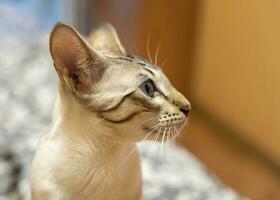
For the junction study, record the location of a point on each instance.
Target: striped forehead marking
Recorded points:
(147, 66)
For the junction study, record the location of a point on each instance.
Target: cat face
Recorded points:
(132, 96)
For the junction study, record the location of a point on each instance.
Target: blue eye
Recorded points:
(148, 88)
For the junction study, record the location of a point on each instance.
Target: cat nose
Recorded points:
(186, 109)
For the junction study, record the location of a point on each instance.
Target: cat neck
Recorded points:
(73, 121)
(86, 147)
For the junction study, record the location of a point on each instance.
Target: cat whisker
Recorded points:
(169, 139)
(148, 48)
(162, 139)
(145, 121)
(174, 133)
(165, 145)
(130, 153)
(155, 137)
(167, 136)
(157, 54)
(170, 133)
(133, 50)
(179, 135)
(129, 48)
(161, 145)
(171, 136)
(138, 53)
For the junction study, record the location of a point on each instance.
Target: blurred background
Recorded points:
(222, 55)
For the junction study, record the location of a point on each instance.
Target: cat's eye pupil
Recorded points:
(148, 88)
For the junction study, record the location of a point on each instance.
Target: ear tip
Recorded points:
(58, 27)
(107, 25)
(58, 31)
(61, 25)
(103, 26)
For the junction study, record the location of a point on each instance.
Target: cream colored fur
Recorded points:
(74, 163)
(90, 150)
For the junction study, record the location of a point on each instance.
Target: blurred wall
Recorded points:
(123, 15)
(237, 68)
(169, 28)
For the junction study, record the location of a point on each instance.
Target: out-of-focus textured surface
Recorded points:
(25, 105)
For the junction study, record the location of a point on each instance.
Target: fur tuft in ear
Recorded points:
(104, 38)
(77, 65)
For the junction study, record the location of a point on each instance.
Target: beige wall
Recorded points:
(237, 67)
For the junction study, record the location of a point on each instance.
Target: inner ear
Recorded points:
(77, 65)
(104, 38)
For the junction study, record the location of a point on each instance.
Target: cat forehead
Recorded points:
(137, 63)
(132, 66)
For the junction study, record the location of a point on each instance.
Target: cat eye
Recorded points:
(148, 88)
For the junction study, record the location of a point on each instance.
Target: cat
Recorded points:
(107, 102)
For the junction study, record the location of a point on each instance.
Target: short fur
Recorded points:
(99, 115)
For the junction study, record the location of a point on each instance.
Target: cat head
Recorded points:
(132, 96)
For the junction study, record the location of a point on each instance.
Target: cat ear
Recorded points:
(105, 38)
(77, 65)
